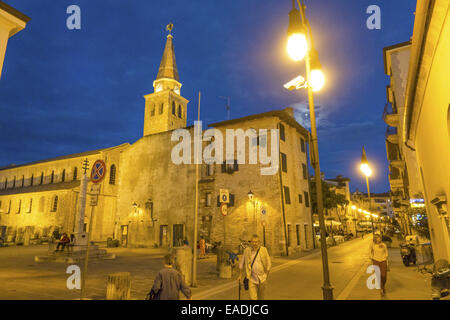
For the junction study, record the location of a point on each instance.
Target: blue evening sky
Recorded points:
(65, 91)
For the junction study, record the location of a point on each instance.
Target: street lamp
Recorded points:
(365, 168)
(300, 45)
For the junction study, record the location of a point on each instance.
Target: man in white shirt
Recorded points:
(255, 265)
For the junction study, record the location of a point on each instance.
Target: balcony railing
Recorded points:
(390, 117)
(391, 135)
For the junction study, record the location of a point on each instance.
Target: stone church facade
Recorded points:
(147, 200)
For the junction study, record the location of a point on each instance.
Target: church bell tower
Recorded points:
(165, 108)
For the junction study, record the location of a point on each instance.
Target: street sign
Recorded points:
(224, 196)
(98, 171)
(95, 189)
(224, 209)
(94, 200)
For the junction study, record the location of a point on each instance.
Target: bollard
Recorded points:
(183, 262)
(118, 286)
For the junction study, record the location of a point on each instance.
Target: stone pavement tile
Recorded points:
(403, 283)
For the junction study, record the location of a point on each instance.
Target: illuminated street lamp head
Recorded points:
(250, 195)
(353, 207)
(360, 210)
(297, 45)
(317, 80)
(365, 164)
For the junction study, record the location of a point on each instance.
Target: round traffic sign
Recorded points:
(98, 171)
(224, 209)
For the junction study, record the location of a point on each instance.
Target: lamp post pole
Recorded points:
(370, 203)
(326, 288)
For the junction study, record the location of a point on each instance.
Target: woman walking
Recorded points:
(379, 255)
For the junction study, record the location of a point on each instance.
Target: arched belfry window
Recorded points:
(173, 108)
(52, 177)
(42, 178)
(179, 112)
(152, 113)
(14, 182)
(63, 175)
(112, 174)
(23, 181)
(55, 204)
(75, 173)
(32, 180)
(6, 183)
(161, 108)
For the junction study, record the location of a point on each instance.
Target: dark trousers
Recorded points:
(383, 271)
(63, 244)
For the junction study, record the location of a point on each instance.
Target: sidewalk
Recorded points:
(403, 283)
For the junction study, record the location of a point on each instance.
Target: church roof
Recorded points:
(69, 156)
(281, 114)
(168, 67)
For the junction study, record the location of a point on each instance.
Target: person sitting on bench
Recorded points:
(63, 242)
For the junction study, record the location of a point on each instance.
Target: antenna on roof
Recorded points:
(227, 106)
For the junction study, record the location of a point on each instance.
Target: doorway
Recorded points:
(178, 235)
(163, 235)
(124, 236)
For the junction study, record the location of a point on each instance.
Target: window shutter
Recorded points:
(231, 204)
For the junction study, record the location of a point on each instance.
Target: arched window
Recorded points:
(63, 175)
(55, 204)
(161, 108)
(32, 180)
(42, 178)
(75, 173)
(179, 111)
(152, 113)
(173, 108)
(23, 181)
(6, 183)
(41, 204)
(112, 174)
(52, 177)
(14, 182)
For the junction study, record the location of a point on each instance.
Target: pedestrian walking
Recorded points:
(255, 266)
(379, 255)
(169, 282)
(202, 247)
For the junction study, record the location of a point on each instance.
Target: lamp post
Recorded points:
(300, 45)
(251, 197)
(365, 168)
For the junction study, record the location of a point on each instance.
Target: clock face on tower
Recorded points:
(177, 89)
(158, 87)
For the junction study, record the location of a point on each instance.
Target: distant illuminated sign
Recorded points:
(417, 203)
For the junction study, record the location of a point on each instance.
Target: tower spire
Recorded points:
(168, 67)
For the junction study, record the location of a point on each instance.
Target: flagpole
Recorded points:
(194, 255)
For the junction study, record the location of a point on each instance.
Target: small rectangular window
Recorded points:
(300, 198)
(302, 145)
(305, 172)
(287, 196)
(283, 162)
(306, 199)
(208, 199)
(297, 227)
(282, 133)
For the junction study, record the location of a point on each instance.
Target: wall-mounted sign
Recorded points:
(417, 203)
(98, 171)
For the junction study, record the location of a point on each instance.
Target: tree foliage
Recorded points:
(331, 199)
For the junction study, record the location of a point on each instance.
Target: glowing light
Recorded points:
(317, 80)
(353, 207)
(366, 169)
(297, 46)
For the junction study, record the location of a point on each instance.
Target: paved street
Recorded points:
(290, 279)
(302, 278)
